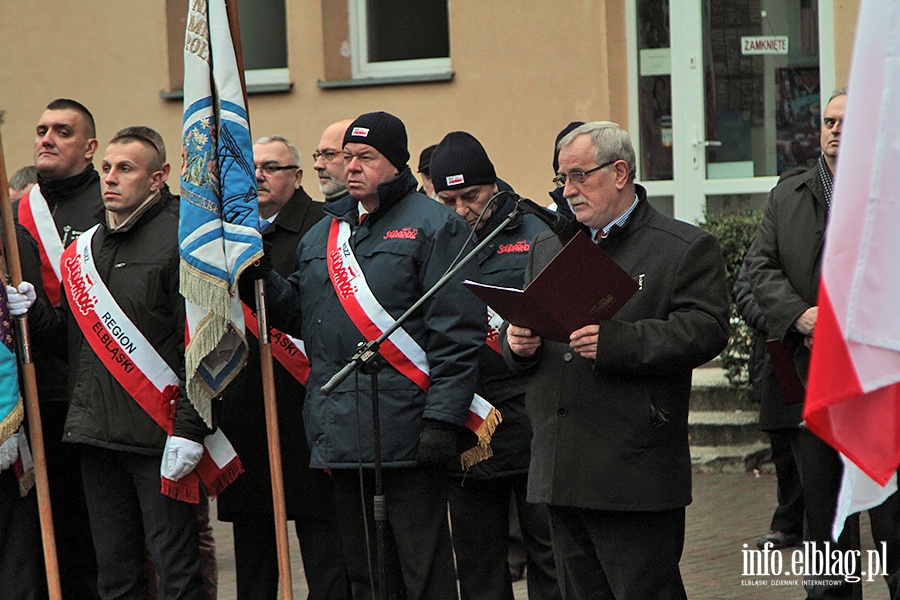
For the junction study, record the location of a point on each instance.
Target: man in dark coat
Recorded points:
(287, 212)
(69, 187)
(609, 410)
(122, 298)
(379, 250)
(784, 264)
(464, 180)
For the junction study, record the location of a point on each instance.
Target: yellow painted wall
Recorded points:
(523, 70)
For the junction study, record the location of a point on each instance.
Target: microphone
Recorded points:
(558, 224)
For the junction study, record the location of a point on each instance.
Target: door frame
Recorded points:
(690, 186)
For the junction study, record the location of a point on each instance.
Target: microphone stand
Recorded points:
(368, 360)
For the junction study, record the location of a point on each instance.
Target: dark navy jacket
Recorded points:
(503, 264)
(450, 328)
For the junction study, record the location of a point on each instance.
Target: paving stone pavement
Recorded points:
(729, 510)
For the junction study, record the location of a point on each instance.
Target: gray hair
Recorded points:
(23, 177)
(838, 92)
(271, 139)
(610, 142)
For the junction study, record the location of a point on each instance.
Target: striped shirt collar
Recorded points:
(620, 221)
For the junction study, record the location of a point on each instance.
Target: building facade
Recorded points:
(719, 95)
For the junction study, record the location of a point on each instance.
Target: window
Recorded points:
(264, 42)
(391, 38)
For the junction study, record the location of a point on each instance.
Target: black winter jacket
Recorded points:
(73, 202)
(307, 492)
(403, 248)
(503, 263)
(784, 261)
(139, 264)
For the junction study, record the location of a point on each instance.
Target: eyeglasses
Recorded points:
(327, 156)
(271, 169)
(580, 176)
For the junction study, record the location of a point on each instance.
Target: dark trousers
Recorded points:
(127, 513)
(788, 517)
(479, 516)
(821, 469)
(256, 558)
(21, 556)
(606, 555)
(418, 552)
(74, 546)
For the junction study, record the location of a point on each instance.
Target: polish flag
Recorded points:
(853, 397)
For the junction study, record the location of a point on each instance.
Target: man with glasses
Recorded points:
(784, 264)
(609, 409)
(286, 212)
(329, 163)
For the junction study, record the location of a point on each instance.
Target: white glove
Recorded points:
(20, 300)
(180, 456)
(9, 451)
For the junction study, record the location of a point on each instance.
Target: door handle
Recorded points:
(708, 143)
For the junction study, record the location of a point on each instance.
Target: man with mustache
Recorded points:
(609, 410)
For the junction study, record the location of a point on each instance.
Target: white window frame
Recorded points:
(359, 53)
(258, 77)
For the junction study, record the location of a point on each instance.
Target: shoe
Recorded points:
(778, 540)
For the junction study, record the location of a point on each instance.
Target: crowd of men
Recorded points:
(592, 452)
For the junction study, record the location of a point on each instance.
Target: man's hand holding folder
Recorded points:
(580, 287)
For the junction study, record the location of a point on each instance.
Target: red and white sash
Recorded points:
(139, 368)
(400, 349)
(34, 215)
(495, 321)
(289, 351)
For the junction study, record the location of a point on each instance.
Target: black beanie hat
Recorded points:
(460, 161)
(384, 132)
(568, 129)
(425, 160)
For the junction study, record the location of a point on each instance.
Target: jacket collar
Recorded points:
(149, 212)
(292, 214)
(505, 206)
(642, 213)
(389, 193)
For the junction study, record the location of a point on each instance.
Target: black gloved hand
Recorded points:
(438, 445)
(261, 268)
(258, 270)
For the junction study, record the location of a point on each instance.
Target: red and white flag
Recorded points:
(853, 396)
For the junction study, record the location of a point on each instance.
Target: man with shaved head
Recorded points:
(330, 163)
(55, 212)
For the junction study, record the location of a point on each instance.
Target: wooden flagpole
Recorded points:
(268, 374)
(32, 406)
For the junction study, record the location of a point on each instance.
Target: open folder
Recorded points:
(580, 286)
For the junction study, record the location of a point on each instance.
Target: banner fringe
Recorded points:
(12, 421)
(26, 482)
(179, 490)
(482, 450)
(227, 477)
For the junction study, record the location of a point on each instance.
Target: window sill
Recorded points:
(252, 90)
(396, 80)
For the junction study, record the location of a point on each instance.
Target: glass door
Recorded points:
(728, 96)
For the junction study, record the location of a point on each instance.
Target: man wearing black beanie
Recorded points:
(465, 181)
(377, 252)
